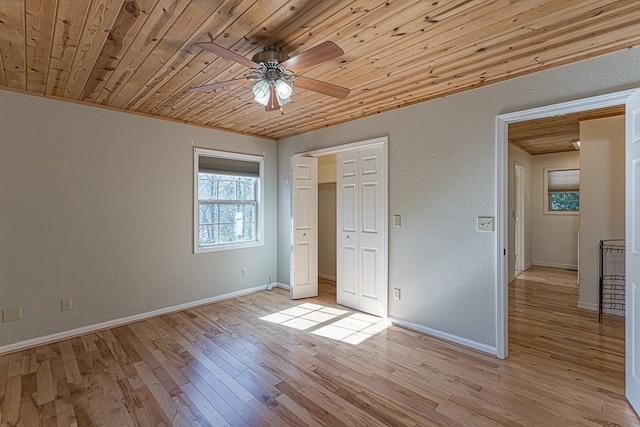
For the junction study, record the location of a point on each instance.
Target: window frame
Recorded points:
(547, 194)
(259, 191)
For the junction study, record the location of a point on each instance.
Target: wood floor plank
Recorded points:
(28, 412)
(12, 397)
(235, 363)
(150, 413)
(207, 409)
(64, 409)
(47, 414)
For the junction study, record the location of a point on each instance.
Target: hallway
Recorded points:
(548, 332)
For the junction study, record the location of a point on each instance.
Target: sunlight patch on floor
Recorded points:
(329, 322)
(304, 316)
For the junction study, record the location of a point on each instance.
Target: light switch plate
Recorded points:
(10, 314)
(397, 221)
(485, 223)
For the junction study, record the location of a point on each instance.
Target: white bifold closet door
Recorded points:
(304, 224)
(361, 263)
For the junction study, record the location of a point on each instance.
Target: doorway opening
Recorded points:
(502, 122)
(565, 184)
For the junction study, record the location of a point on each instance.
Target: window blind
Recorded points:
(224, 166)
(564, 180)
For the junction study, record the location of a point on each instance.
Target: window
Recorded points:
(562, 191)
(227, 208)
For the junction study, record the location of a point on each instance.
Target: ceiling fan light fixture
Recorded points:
(261, 90)
(272, 75)
(283, 91)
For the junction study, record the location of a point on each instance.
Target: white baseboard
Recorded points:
(22, 345)
(555, 265)
(327, 277)
(528, 266)
(511, 279)
(282, 285)
(445, 336)
(588, 306)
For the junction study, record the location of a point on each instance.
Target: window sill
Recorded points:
(547, 212)
(227, 247)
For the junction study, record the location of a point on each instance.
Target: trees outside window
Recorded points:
(227, 200)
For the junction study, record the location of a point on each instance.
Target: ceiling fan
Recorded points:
(274, 73)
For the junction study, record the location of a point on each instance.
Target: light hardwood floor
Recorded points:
(264, 360)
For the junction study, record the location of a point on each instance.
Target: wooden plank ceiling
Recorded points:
(555, 134)
(139, 55)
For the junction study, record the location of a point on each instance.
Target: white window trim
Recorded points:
(545, 188)
(197, 249)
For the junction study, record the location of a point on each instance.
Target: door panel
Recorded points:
(362, 229)
(348, 165)
(370, 164)
(349, 212)
(370, 211)
(349, 277)
(632, 263)
(370, 259)
(302, 208)
(304, 247)
(347, 228)
(371, 237)
(301, 271)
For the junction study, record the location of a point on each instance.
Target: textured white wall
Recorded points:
(524, 159)
(602, 194)
(96, 205)
(554, 239)
(442, 175)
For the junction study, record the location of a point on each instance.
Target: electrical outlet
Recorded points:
(10, 314)
(244, 272)
(396, 294)
(65, 304)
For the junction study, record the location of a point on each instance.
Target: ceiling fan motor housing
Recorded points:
(270, 56)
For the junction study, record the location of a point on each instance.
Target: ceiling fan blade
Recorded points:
(227, 54)
(321, 87)
(212, 86)
(316, 55)
(273, 101)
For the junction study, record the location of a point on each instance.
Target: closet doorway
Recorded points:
(361, 217)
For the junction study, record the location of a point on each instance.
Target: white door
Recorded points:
(633, 250)
(373, 278)
(517, 217)
(347, 228)
(361, 228)
(304, 222)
